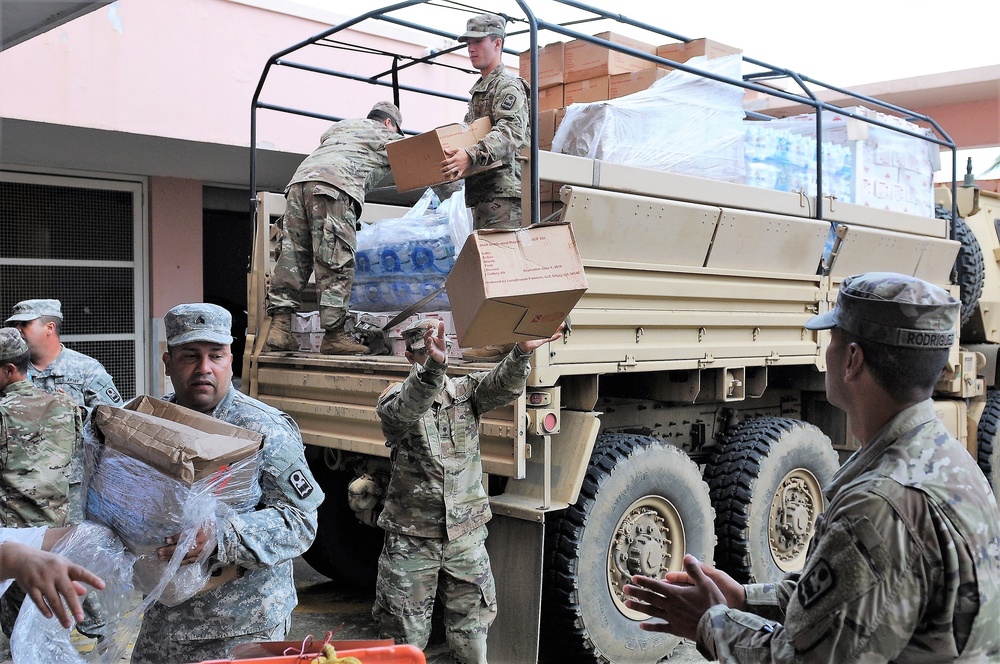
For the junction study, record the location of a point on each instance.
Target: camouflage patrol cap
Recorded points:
(413, 334)
(484, 25)
(31, 309)
(893, 309)
(187, 323)
(392, 111)
(12, 344)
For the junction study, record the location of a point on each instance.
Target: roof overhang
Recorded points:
(21, 20)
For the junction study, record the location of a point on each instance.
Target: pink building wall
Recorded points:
(175, 273)
(188, 69)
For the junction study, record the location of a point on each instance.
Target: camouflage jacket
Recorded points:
(503, 99)
(351, 157)
(263, 542)
(431, 423)
(904, 566)
(80, 376)
(85, 380)
(38, 432)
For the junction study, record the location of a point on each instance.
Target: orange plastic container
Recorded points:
(400, 654)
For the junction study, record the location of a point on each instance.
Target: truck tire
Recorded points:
(969, 267)
(988, 439)
(766, 479)
(345, 550)
(643, 505)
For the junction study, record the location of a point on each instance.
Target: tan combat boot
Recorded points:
(279, 337)
(338, 342)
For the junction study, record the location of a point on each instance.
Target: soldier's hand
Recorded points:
(203, 537)
(532, 344)
(436, 345)
(49, 579)
(456, 163)
(675, 608)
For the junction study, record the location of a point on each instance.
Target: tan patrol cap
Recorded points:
(392, 111)
(893, 309)
(484, 25)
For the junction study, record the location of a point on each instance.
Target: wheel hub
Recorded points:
(649, 540)
(793, 512)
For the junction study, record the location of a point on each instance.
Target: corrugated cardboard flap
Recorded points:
(177, 441)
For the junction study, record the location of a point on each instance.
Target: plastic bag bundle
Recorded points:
(399, 261)
(683, 123)
(144, 505)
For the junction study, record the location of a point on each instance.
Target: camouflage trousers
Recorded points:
(413, 570)
(497, 213)
(160, 647)
(318, 236)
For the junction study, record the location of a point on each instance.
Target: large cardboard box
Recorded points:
(550, 65)
(546, 128)
(179, 442)
(590, 90)
(551, 98)
(583, 60)
(514, 285)
(416, 160)
(634, 81)
(684, 51)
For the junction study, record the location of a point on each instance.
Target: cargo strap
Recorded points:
(410, 310)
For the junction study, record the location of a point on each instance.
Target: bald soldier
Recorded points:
(905, 563)
(323, 202)
(38, 433)
(495, 194)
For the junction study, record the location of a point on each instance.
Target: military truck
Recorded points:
(685, 409)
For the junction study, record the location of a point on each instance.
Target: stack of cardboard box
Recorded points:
(580, 72)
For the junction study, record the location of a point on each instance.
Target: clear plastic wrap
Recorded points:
(683, 123)
(399, 261)
(145, 506)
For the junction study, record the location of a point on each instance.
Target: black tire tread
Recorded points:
(565, 632)
(969, 265)
(987, 436)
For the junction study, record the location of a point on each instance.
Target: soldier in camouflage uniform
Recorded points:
(495, 194)
(322, 204)
(905, 562)
(257, 604)
(55, 368)
(38, 432)
(436, 508)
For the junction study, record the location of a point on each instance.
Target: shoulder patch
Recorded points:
(508, 101)
(112, 394)
(302, 486)
(820, 580)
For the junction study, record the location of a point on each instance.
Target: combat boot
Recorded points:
(279, 337)
(338, 342)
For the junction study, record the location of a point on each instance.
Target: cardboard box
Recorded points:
(513, 285)
(306, 322)
(635, 81)
(551, 98)
(590, 90)
(550, 65)
(546, 128)
(416, 160)
(179, 442)
(583, 60)
(684, 51)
